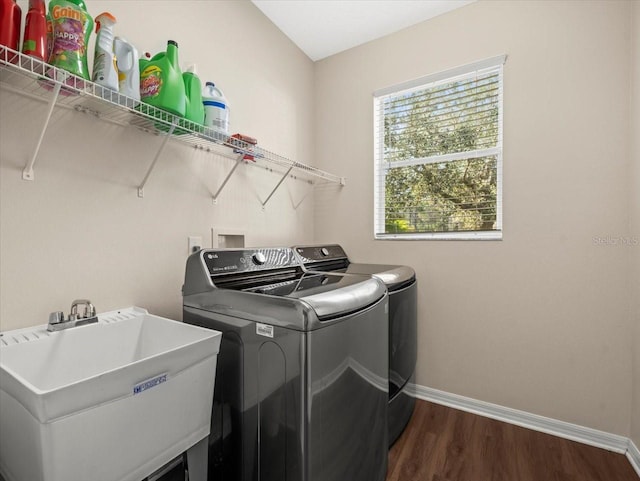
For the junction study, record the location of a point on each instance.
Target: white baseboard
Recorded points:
(633, 454)
(574, 432)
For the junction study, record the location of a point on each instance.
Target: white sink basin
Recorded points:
(111, 401)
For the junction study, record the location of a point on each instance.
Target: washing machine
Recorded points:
(302, 378)
(402, 286)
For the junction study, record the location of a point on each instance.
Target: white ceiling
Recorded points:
(324, 27)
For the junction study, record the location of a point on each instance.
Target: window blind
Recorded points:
(438, 155)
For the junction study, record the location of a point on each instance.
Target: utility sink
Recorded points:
(110, 401)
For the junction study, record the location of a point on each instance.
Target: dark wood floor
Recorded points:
(444, 444)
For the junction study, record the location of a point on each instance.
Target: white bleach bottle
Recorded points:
(216, 108)
(128, 68)
(105, 71)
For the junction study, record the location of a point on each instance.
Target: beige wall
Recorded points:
(79, 230)
(538, 321)
(635, 219)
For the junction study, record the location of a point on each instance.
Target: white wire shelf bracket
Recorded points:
(34, 79)
(239, 160)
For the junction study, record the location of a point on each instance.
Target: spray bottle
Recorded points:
(105, 70)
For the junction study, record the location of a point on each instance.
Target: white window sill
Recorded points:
(479, 236)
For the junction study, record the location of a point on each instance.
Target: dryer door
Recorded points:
(402, 337)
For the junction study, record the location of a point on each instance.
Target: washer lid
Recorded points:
(394, 277)
(306, 309)
(353, 295)
(244, 284)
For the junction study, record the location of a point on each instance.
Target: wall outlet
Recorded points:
(195, 244)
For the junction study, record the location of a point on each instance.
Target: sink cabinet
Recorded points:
(110, 401)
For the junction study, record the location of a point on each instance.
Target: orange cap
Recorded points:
(104, 15)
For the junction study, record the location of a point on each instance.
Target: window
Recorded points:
(438, 155)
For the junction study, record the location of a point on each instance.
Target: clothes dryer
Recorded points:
(402, 286)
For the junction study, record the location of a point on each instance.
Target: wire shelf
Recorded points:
(32, 78)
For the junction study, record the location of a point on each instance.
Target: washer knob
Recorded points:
(324, 251)
(259, 258)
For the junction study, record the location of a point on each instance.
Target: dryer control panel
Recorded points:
(330, 257)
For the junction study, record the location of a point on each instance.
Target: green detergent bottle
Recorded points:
(193, 93)
(72, 26)
(161, 83)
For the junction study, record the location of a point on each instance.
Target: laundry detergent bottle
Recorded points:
(161, 83)
(128, 62)
(194, 108)
(35, 41)
(72, 27)
(105, 71)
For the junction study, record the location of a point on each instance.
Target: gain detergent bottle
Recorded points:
(161, 83)
(72, 26)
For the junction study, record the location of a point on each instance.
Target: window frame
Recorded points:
(380, 169)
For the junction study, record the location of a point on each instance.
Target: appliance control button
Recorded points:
(259, 258)
(324, 251)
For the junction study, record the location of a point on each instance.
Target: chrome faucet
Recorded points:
(57, 322)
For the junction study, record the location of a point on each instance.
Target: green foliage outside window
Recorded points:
(450, 194)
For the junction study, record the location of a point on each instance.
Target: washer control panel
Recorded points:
(225, 261)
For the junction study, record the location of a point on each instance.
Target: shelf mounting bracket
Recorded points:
(277, 185)
(226, 179)
(157, 156)
(295, 206)
(27, 173)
